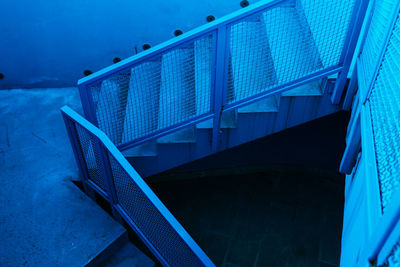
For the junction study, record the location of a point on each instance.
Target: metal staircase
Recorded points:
(255, 72)
(250, 74)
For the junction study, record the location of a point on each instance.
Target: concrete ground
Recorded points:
(45, 220)
(260, 216)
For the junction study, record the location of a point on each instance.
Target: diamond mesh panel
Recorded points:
(89, 153)
(285, 43)
(158, 93)
(150, 221)
(394, 257)
(385, 111)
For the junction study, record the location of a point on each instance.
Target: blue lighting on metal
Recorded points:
(201, 89)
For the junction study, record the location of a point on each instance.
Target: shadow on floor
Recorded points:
(265, 217)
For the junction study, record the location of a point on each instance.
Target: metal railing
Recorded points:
(263, 50)
(105, 170)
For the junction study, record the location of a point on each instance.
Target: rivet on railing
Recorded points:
(210, 18)
(146, 46)
(87, 72)
(244, 3)
(177, 32)
(116, 60)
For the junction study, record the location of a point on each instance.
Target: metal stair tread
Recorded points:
(148, 149)
(249, 48)
(309, 89)
(109, 110)
(228, 121)
(177, 94)
(141, 110)
(187, 135)
(291, 44)
(270, 104)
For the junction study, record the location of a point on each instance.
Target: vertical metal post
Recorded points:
(72, 135)
(108, 178)
(220, 82)
(88, 105)
(350, 45)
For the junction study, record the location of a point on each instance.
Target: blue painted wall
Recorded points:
(49, 43)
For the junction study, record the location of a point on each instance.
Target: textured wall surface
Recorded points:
(50, 43)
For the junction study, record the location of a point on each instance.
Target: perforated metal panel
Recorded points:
(131, 197)
(157, 93)
(150, 221)
(90, 155)
(374, 42)
(285, 43)
(385, 114)
(394, 258)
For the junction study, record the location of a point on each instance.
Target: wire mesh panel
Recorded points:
(328, 23)
(167, 89)
(394, 257)
(90, 155)
(110, 101)
(385, 110)
(374, 42)
(285, 43)
(150, 221)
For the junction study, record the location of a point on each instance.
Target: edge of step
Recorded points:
(148, 149)
(309, 89)
(186, 135)
(228, 121)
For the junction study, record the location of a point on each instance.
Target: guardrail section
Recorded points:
(105, 170)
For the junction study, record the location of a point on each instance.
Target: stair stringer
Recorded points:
(293, 111)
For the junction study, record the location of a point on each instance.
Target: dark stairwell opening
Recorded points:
(277, 201)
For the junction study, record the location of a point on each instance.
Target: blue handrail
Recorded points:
(220, 31)
(180, 40)
(130, 197)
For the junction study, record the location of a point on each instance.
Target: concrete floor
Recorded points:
(272, 216)
(45, 220)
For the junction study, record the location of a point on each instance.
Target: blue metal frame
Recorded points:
(72, 135)
(387, 234)
(350, 45)
(373, 191)
(222, 61)
(106, 147)
(371, 83)
(283, 88)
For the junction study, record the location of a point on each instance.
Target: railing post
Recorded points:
(88, 105)
(221, 70)
(350, 45)
(108, 179)
(72, 135)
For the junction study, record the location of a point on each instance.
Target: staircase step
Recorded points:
(177, 93)
(228, 121)
(324, 29)
(292, 47)
(203, 63)
(309, 89)
(251, 62)
(187, 135)
(142, 105)
(109, 108)
(148, 149)
(269, 104)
